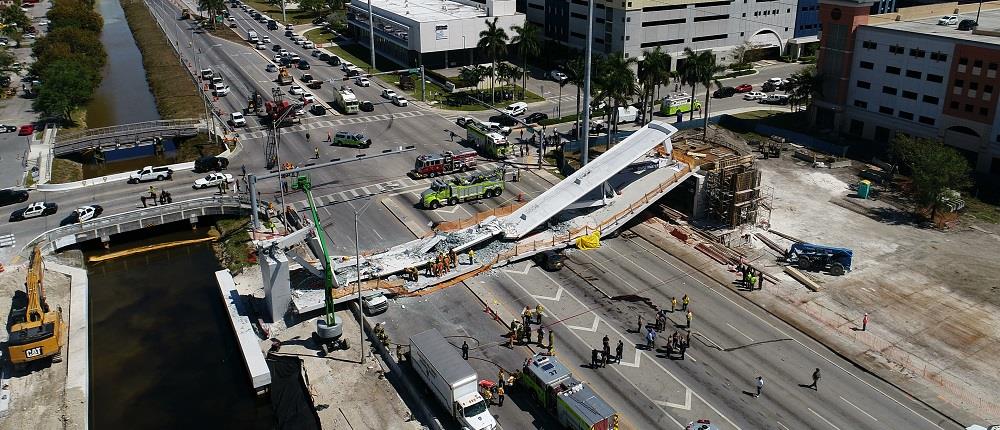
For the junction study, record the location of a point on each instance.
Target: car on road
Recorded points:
(362, 81)
(515, 109)
(356, 140)
(288, 27)
(323, 56)
(295, 90)
(388, 94)
(367, 106)
(210, 163)
(307, 98)
(558, 76)
(261, 47)
(399, 100)
(464, 121)
(724, 92)
(967, 24)
(375, 303)
(317, 109)
(9, 196)
(265, 39)
(505, 120)
(308, 44)
(26, 130)
(535, 118)
(304, 65)
(744, 88)
(34, 210)
(271, 68)
(298, 40)
(551, 260)
(276, 47)
(306, 78)
(333, 60)
(701, 425)
(315, 53)
(283, 52)
(948, 20)
(220, 90)
(84, 213)
(4, 128)
(289, 33)
(212, 180)
(236, 119)
(754, 95)
(775, 99)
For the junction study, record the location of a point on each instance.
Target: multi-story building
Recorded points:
(885, 76)
(435, 33)
(807, 19)
(632, 27)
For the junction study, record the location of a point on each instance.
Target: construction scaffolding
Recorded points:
(733, 187)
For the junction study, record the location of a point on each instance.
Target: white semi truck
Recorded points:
(451, 379)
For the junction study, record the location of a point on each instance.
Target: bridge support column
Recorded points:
(194, 222)
(277, 287)
(700, 196)
(106, 242)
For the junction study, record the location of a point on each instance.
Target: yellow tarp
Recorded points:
(590, 241)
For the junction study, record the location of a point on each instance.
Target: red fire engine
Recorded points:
(443, 164)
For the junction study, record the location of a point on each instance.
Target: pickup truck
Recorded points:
(150, 173)
(452, 380)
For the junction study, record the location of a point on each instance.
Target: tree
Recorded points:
(934, 168)
(689, 74)
(312, 6)
(13, 17)
(526, 39)
(493, 41)
(803, 86)
(654, 71)
(620, 86)
(212, 8)
(745, 53)
(471, 76)
(64, 41)
(66, 85)
(6, 59)
(701, 68)
(75, 13)
(574, 75)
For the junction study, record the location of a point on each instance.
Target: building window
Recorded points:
(916, 52)
(868, 44)
(662, 22)
(935, 78)
(896, 49)
(968, 108)
(536, 6)
(930, 99)
(962, 61)
(712, 37)
(913, 74)
(977, 63)
(953, 105)
(861, 104)
(710, 18)
(577, 35)
(906, 115)
(886, 110)
(926, 120)
(984, 111)
(864, 84)
(888, 90)
(939, 56)
(909, 95)
(892, 69)
(867, 65)
(578, 15)
(973, 86)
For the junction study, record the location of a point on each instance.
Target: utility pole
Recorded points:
(585, 141)
(357, 260)
(371, 35)
(423, 84)
(284, 18)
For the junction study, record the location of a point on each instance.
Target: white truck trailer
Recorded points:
(451, 379)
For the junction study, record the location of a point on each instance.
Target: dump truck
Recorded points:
(442, 164)
(451, 379)
(458, 190)
(38, 330)
(284, 78)
(185, 14)
(575, 404)
(490, 143)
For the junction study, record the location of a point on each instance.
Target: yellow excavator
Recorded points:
(38, 332)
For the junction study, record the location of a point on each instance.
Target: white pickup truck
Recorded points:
(150, 173)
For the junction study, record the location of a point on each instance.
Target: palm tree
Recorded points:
(621, 86)
(654, 71)
(803, 86)
(526, 39)
(574, 75)
(472, 75)
(689, 74)
(493, 41)
(212, 8)
(706, 71)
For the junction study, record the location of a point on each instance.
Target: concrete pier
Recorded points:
(253, 357)
(77, 352)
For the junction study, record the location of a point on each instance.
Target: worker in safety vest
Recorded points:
(685, 301)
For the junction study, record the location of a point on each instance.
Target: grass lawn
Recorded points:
(981, 211)
(794, 121)
(295, 16)
(320, 35)
(354, 53)
(233, 249)
(440, 95)
(64, 171)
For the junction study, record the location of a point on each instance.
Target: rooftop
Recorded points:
(988, 31)
(427, 10)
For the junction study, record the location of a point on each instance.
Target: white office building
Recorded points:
(435, 33)
(635, 26)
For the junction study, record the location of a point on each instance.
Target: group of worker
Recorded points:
(442, 264)
(601, 357)
(162, 198)
(753, 279)
(677, 342)
(520, 331)
(381, 335)
(499, 390)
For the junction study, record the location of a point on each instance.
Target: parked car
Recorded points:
(967, 25)
(754, 95)
(724, 92)
(948, 20)
(362, 81)
(388, 94)
(212, 180)
(84, 213)
(535, 118)
(744, 88)
(551, 260)
(367, 106)
(775, 99)
(236, 119)
(34, 210)
(26, 130)
(210, 163)
(4, 128)
(9, 196)
(558, 76)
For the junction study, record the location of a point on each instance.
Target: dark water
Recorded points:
(163, 355)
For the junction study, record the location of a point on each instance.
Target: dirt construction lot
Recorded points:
(933, 296)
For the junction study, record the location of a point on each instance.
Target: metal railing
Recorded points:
(126, 129)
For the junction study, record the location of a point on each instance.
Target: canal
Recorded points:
(163, 355)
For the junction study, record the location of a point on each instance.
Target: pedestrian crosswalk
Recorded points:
(405, 183)
(261, 132)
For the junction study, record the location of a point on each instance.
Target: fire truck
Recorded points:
(442, 164)
(490, 142)
(477, 186)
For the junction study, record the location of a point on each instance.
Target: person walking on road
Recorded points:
(618, 351)
(685, 301)
(815, 380)
(465, 350)
(593, 358)
(864, 322)
(551, 342)
(316, 152)
(673, 304)
(500, 394)
(650, 338)
(539, 334)
(760, 385)
(690, 316)
(639, 327)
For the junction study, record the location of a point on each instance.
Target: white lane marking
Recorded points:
(685, 406)
(782, 425)
(592, 328)
(605, 269)
(740, 332)
(824, 419)
(859, 409)
(782, 332)
(523, 271)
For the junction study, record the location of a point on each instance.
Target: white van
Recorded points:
(220, 90)
(207, 73)
(776, 99)
(627, 114)
(516, 109)
(252, 36)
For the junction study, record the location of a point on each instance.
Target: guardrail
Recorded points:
(126, 129)
(155, 215)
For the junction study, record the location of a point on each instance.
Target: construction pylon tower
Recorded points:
(271, 144)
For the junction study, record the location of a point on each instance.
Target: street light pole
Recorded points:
(357, 260)
(371, 35)
(283, 17)
(585, 142)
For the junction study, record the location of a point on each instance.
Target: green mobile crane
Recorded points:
(473, 187)
(329, 328)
